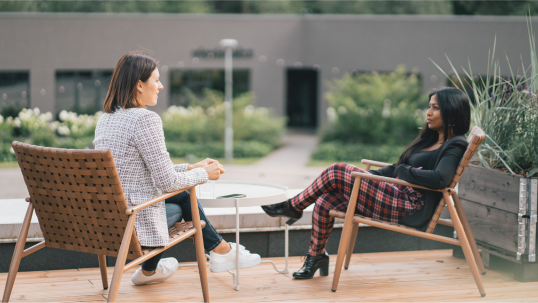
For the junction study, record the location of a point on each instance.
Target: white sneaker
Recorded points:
(226, 262)
(165, 269)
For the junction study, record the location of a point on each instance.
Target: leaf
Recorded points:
(533, 171)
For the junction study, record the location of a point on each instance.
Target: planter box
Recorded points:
(501, 209)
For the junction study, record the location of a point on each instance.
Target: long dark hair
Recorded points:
(132, 67)
(456, 116)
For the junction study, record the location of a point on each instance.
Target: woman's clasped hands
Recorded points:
(213, 168)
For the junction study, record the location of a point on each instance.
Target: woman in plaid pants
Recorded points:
(430, 160)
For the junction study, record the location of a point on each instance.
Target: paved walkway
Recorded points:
(284, 166)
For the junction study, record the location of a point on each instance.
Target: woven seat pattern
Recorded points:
(177, 233)
(78, 198)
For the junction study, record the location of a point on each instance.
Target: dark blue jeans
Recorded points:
(178, 208)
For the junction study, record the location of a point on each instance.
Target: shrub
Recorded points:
(32, 126)
(340, 151)
(506, 108)
(242, 149)
(375, 108)
(204, 121)
(195, 130)
(44, 137)
(10, 108)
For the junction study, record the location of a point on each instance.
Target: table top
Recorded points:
(257, 194)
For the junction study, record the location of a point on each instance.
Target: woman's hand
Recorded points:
(214, 170)
(202, 163)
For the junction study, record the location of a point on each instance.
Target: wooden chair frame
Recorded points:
(178, 233)
(450, 198)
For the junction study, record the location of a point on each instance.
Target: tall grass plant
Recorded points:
(506, 108)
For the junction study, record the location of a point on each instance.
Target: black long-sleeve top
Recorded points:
(436, 173)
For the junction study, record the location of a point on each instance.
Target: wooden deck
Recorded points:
(424, 276)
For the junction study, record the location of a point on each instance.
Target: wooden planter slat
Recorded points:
(491, 199)
(491, 188)
(492, 226)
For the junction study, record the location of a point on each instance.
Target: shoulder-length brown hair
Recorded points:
(132, 67)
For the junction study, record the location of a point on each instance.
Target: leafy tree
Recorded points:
(107, 6)
(18, 6)
(506, 8)
(383, 7)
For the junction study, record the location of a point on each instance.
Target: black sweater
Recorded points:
(436, 175)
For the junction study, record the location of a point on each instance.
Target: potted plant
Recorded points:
(499, 192)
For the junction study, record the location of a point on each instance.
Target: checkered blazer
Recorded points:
(136, 138)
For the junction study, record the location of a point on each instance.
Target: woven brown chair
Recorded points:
(80, 205)
(459, 221)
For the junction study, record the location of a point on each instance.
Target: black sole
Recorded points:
(291, 221)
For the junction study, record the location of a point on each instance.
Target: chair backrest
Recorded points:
(475, 138)
(78, 198)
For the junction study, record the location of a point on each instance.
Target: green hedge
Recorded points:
(204, 121)
(242, 149)
(201, 127)
(375, 108)
(339, 151)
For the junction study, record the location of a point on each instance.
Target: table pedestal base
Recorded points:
(235, 276)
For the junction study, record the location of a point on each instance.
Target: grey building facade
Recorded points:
(285, 55)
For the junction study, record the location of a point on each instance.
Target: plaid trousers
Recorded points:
(332, 190)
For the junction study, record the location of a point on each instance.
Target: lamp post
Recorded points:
(228, 45)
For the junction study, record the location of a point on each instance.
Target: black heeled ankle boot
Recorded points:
(283, 210)
(311, 264)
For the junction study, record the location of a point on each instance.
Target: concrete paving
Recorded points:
(285, 166)
(12, 184)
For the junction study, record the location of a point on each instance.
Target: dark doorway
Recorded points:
(302, 97)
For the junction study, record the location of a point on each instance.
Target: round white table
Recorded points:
(257, 194)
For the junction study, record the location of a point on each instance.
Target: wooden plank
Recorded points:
(417, 276)
(490, 187)
(492, 226)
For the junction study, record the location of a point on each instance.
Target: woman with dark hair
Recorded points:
(135, 136)
(430, 161)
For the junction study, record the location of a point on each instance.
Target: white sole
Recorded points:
(231, 265)
(151, 281)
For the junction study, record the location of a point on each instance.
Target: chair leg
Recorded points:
(120, 261)
(18, 253)
(468, 233)
(351, 245)
(467, 251)
(346, 233)
(199, 245)
(102, 267)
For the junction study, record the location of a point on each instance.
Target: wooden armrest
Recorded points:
(374, 163)
(390, 180)
(132, 210)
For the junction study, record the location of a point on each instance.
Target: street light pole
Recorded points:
(229, 45)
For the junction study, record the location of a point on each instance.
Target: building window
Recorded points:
(185, 82)
(14, 92)
(81, 91)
